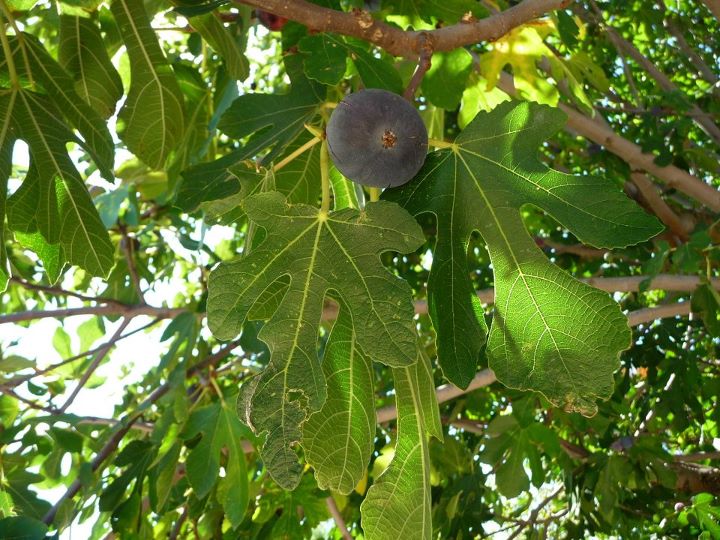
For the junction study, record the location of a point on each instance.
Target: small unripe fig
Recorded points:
(376, 138)
(270, 20)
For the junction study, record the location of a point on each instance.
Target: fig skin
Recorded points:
(377, 139)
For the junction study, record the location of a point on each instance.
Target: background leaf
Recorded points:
(151, 122)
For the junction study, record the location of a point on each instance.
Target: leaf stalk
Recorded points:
(325, 178)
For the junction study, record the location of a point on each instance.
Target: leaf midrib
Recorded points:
(151, 67)
(60, 173)
(521, 274)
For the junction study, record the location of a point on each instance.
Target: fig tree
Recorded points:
(376, 138)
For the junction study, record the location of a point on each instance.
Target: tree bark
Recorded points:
(360, 24)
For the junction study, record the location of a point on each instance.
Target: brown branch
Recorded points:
(689, 54)
(714, 7)
(113, 309)
(128, 423)
(695, 478)
(486, 377)
(666, 311)
(575, 249)
(595, 131)
(697, 456)
(701, 118)
(651, 197)
(104, 453)
(29, 402)
(57, 291)
(360, 24)
(99, 357)
(175, 532)
(424, 63)
(665, 282)
(337, 517)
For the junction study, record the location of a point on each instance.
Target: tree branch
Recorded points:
(651, 197)
(112, 309)
(15, 381)
(690, 54)
(337, 517)
(99, 357)
(486, 377)
(360, 24)
(642, 316)
(714, 7)
(57, 291)
(702, 119)
(104, 453)
(630, 152)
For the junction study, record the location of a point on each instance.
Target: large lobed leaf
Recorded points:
(550, 333)
(319, 253)
(338, 439)
(52, 187)
(398, 505)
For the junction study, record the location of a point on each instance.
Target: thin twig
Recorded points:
(175, 532)
(99, 357)
(30, 403)
(58, 291)
(115, 309)
(424, 63)
(104, 453)
(21, 379)
(337, 517)
(651, 196)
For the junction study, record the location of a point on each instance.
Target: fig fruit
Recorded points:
(376, 138)
(270, 20)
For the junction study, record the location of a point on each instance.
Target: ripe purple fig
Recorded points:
(376, 138)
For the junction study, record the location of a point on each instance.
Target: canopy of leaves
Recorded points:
(208, 332)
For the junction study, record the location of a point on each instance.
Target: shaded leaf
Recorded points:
(271, 120)
(444, 82)
(324, 57)
(60, 89)
(83, 54)
(151, 122)
(53, 187)
(220, 429)
(338, 439)
(220, 39)
(398, 504)
(22, 528)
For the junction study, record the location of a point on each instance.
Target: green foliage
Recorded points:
(208, 332)
(319, 252)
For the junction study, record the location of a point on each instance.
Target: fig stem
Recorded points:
(439, 143)
(314, 130)
(312, 142)
(424, 63)
(325, 178)
(375, 194)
